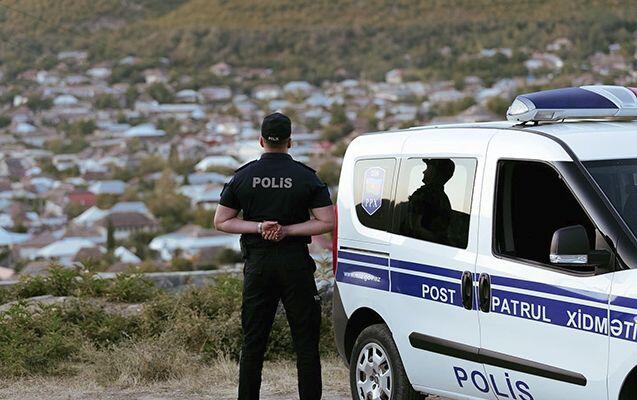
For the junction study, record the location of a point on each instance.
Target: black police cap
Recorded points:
(276, 127)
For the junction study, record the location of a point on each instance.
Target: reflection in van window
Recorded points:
(618, 180)
(434, 199)
(373, 181)
(532, 202)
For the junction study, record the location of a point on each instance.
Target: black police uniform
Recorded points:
(278, 188)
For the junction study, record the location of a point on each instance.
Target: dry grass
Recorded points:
(188, 381)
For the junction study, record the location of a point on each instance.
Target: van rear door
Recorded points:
(433, 253)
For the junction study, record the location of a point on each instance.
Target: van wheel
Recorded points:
(376, 371)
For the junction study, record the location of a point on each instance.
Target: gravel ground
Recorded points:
(217, 382)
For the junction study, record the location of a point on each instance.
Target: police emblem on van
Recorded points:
(373, 182)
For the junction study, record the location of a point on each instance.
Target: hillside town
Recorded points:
(116, 173)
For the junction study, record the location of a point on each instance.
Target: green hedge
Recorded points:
(203, 323)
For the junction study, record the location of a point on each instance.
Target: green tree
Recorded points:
(203, 217)
(173, 156)
(110, 236)
(329, 172)
(131, 96)
(106, 101)
(39, 103)
(106, 200)
(4, 121)
(172, 208)
(79, 128)
(160, 92)
(339, 124)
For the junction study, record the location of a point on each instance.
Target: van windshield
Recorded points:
(618, 180)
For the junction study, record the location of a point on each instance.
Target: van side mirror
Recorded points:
(570, 245)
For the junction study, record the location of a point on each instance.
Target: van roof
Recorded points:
(589, 139)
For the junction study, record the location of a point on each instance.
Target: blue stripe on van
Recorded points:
(374, 278)
(550, 289)
(623, 325)
(412, 285)
(364, 258)
(515, 283)
(550, 311)
(430, 269)
(620, 325)
(624, 302)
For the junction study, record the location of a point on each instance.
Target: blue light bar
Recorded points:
(596, 101)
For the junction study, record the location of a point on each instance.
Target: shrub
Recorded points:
(31, 286)
(62, 281)
(172, 331)
(131, 288)
(99, 327)
(6, 295)
(35, 342)
(208, 320)
(83, 282)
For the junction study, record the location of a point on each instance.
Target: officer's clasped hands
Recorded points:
(272, 230)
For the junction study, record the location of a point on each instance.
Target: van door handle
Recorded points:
(467, 290)
(484, 291)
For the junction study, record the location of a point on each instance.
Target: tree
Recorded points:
(160, 92)
(227, 256)
(106, 101)
(106, 200)
(173, 156)
(329, 172)
(131, 96)
(172, 208)
(339, 124)
(203, 217)
(4, 121)
(38, 103)
(110, 236)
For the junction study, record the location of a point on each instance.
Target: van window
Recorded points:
(618, 181)
(373, 183)
(532, 202)
(433, 200)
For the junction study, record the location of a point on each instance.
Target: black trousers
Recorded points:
(286, 274)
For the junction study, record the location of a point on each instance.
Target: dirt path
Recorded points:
(217, 382)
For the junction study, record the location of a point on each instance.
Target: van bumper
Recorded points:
(339, 322)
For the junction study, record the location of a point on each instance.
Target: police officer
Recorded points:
(276, 195)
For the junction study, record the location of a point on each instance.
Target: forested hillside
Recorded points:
(316, 39)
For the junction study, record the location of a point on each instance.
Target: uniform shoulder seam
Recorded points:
(245, 165)
(305, 166)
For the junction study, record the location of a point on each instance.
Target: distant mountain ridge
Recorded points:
(315, 39)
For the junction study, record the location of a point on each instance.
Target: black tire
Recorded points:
(380, 335)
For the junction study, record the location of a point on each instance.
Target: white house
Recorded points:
(190, 240)
(63, 250)
(143, 131)
(107, 187)
(217, 161)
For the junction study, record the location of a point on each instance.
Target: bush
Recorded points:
(131, 288)
(82, 282)
(6, 295)
(38, 339)
(208, 320)
(97, 326)
(30, 287)
(171, 334)
(35, 342)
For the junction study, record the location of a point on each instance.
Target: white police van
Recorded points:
(495, 260)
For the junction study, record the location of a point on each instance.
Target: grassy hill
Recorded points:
(315, 39)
